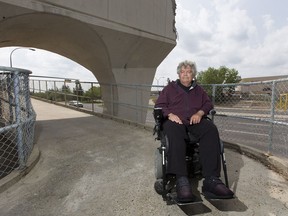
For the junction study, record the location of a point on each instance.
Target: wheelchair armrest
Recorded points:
(158, 116)
(212, 112)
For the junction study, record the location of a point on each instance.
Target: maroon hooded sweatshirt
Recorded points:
(174, 99)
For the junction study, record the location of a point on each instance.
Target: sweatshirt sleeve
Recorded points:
(162, 101)
(207, 103)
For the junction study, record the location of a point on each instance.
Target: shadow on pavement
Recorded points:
(195, 209)
(234, 165)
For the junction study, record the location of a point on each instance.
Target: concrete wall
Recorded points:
(119, 41)
(150, 16)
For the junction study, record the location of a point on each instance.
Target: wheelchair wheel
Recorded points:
(158, 165)
(158, 186)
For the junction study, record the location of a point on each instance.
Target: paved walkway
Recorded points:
(95, 166)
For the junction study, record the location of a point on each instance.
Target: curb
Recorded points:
(274, 163)
(16, 175)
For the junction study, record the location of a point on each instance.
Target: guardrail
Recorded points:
(250, 114)
(17, 120)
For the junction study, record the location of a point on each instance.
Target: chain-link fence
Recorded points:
(252, 114)
(17, 120)
(89, 96)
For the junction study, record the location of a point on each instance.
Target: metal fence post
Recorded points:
(39, 86)
(27, 94)
(272, 117)
(65, 92)
(55, 88)
(10, 97)
(20, 151)
(46, 90)
(213, 93)
(33, 84)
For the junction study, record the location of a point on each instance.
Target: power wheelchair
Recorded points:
(165, 184)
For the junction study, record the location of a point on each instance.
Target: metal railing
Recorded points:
(17, 120)
(253, 114)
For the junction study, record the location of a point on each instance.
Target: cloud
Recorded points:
(227, 32)
(45, 63)
(273, 51)
(249, 36)
(268, 22)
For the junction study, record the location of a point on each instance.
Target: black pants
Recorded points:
(209, 147)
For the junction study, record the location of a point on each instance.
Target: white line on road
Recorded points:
(251, 124)
(255, 115)
(243, 132)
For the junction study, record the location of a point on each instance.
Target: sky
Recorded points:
(247, 35)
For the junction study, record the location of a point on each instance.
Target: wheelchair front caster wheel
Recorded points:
(158, 186)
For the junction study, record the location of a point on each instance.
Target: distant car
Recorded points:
(75, 103)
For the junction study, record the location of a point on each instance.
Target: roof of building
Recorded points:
(266, 78)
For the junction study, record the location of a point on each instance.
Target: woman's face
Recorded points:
(185, 75)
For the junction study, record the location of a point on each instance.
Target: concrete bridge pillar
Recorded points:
(119, 41)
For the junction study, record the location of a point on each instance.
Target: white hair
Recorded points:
(187, 63)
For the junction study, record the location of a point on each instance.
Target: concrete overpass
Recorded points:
(119, 41)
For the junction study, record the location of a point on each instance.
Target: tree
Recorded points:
(218, 76)
(94, 93)
(222, 75)
(66, 89)
(78, 89)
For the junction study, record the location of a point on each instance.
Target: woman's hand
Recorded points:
(174, 118)
(196, 118)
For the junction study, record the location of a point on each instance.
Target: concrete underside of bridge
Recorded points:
(119, 41)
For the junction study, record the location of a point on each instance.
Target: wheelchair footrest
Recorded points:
(211, 197)
(173, 199)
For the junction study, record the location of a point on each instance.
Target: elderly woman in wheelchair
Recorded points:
(181, 119)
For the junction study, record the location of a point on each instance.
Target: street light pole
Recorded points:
(159, 79)
(17, 49)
